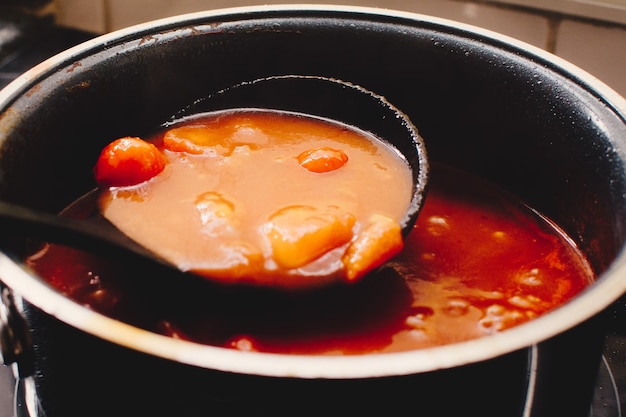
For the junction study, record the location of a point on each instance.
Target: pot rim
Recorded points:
(605, 290)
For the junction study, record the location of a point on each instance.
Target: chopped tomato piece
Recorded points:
(322, 159)
(301, 234)
(214, 138)
(213, 207)
(195, 139)
(379, 242)
(128, 161)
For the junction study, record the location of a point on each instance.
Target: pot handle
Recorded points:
(16, 345)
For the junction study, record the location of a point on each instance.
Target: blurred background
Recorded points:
(588, 33)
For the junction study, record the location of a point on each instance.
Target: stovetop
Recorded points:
(26, 40)
(610, 396)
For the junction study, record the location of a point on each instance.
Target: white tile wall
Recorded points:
(607, 10)
(598, 48)
(83, 14)
(105, 15)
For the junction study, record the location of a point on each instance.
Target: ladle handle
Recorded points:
(95, 235)
(17, 220)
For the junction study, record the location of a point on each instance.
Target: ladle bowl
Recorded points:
(311, 95)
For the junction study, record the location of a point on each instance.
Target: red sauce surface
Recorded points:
(477, 262)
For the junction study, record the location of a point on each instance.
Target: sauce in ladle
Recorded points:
(260, 197)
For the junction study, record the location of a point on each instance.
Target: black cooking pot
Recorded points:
(515, 115)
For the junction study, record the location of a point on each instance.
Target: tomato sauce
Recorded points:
(477, 262)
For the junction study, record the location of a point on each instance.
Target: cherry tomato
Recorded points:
(128, 161)
(322, 159)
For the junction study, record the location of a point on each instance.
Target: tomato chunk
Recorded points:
(301, 234)
(128, 161)
(379, 242)
(322, 159)
(195, 139)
